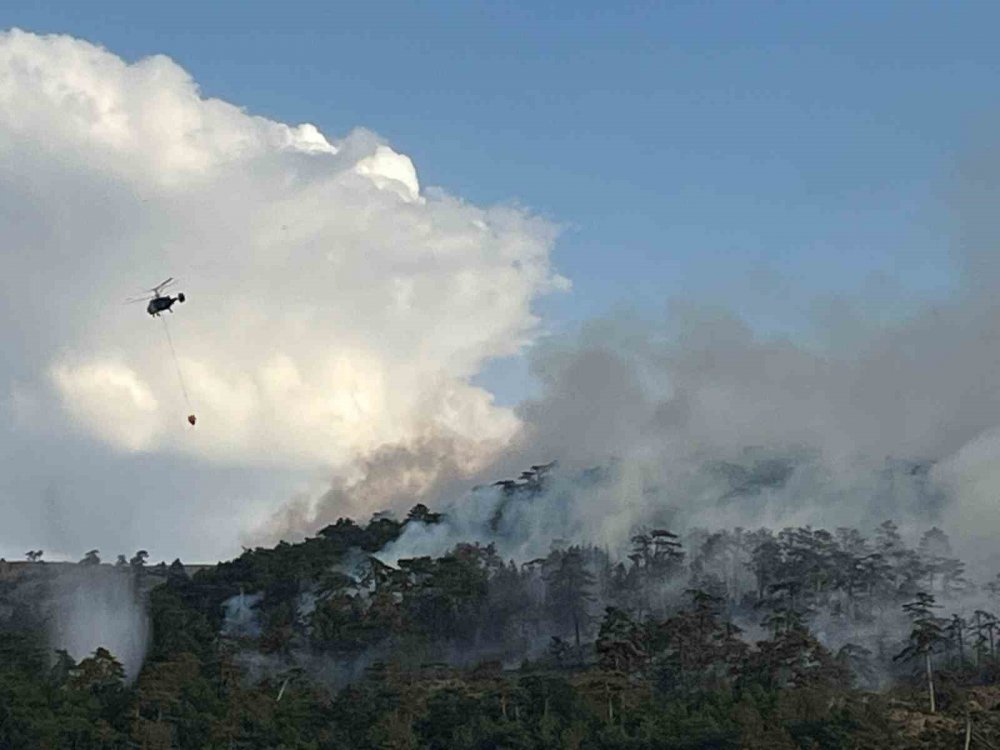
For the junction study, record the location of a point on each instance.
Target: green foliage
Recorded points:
(69, 705)
(345, 651)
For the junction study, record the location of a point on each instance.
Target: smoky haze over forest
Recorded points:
(881, 414)
(888, 421)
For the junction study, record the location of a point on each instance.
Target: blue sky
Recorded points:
(762, 155)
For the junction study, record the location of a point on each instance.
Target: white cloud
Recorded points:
(109, 397)
(391, 171)
(334, 306)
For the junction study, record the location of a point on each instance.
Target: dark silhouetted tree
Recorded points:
(91, 558)
(925, 637)
(569, 586)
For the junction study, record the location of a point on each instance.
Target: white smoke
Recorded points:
(705, 424)
(334, 304)
(99, 606)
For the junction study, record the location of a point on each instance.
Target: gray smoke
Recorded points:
(872, 421)
(874, 413)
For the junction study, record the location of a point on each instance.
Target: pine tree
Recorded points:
(91, 558)
(569, 586)
(925, 637)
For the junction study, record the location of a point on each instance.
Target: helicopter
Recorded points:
(159, 302)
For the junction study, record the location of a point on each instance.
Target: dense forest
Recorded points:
(736, 638)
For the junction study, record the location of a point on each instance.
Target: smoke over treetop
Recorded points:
(711, 425)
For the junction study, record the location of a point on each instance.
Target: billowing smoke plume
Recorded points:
(334, 305)
(702, 423)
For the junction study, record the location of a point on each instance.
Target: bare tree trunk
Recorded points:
(968, 731)
(930, 679)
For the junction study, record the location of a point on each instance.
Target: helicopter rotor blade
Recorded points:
(163, 284)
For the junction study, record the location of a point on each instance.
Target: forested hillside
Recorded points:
(736, 638)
